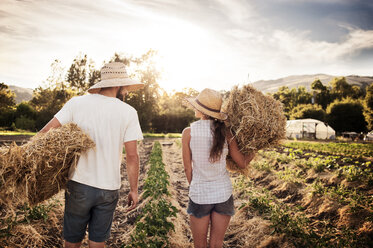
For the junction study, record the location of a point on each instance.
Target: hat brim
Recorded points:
(130, 84)
(192, 104)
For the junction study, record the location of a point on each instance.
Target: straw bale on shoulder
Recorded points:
(256, 121)
(39, 169)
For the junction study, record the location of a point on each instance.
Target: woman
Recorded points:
(205, 145)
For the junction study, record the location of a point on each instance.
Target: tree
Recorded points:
(368, 100)
(82, 74)
(346, 115)
(48, 100)
(291, 98)
(25, 117)
(145, 101)
(304, 111)
(321, 93)
(301, 96)
(7, 97)
(340, 88)
(173, 116)
(7, 103)
(318, 85)
(284, 96)
(25, 123)
(26, 110)
(7, 117)
(368, 106)
(357, 92)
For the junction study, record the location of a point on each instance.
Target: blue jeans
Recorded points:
(86, 205)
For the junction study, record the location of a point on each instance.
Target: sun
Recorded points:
(184, 53)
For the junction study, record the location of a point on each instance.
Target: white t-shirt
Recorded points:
(109, 122)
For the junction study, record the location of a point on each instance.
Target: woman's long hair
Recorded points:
(218, 130)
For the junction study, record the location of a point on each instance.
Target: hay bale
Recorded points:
(39, 169)
(25, 235)
(256, 121)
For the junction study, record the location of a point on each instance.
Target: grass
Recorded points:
(17, 133)
(162, 135)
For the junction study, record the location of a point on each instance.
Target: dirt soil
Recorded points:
(19, 139)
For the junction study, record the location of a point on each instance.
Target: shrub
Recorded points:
(346, 115)
(25, 123)
(304, 111)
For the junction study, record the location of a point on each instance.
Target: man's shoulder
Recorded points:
(78, 98)
(73, 100)
(127, 107)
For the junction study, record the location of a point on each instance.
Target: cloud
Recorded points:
(221, 41)
(237, 11)
(297, 47)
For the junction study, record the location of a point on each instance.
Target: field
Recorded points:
(302, 194)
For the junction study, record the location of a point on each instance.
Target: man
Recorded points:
(92, 191)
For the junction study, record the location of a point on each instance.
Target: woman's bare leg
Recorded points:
(219, 225)
(199, 228)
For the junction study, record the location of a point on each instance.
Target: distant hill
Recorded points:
(25, 94)
(306, 81)
(22, 94)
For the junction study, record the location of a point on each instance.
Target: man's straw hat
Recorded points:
(114, 74)
(209, 103)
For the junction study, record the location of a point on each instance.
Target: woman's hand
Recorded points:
(249, 157)
(240, 159)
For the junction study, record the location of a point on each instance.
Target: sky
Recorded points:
(200, 43)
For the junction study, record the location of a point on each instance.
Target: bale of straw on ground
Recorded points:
(256, 120)
(39, 169)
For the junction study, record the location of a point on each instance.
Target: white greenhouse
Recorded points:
(309, 128)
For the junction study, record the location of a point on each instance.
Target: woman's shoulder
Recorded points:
(186, 130)
(200, 123)
(193, 124)
(185, 135)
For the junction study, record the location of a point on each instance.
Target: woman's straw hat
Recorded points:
(114, 74)
(209, 103)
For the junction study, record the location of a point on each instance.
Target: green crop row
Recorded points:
(346, 167)
(153, 225)
(349, 149)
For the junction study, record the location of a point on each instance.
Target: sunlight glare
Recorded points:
(184, 53)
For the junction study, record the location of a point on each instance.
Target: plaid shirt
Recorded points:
(210, 181)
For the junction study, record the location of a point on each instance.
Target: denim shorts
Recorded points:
(201, 210)
(86, 205)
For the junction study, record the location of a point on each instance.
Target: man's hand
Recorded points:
(133, 199)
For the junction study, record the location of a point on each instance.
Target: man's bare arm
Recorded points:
(133, 165)
(54, 123)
